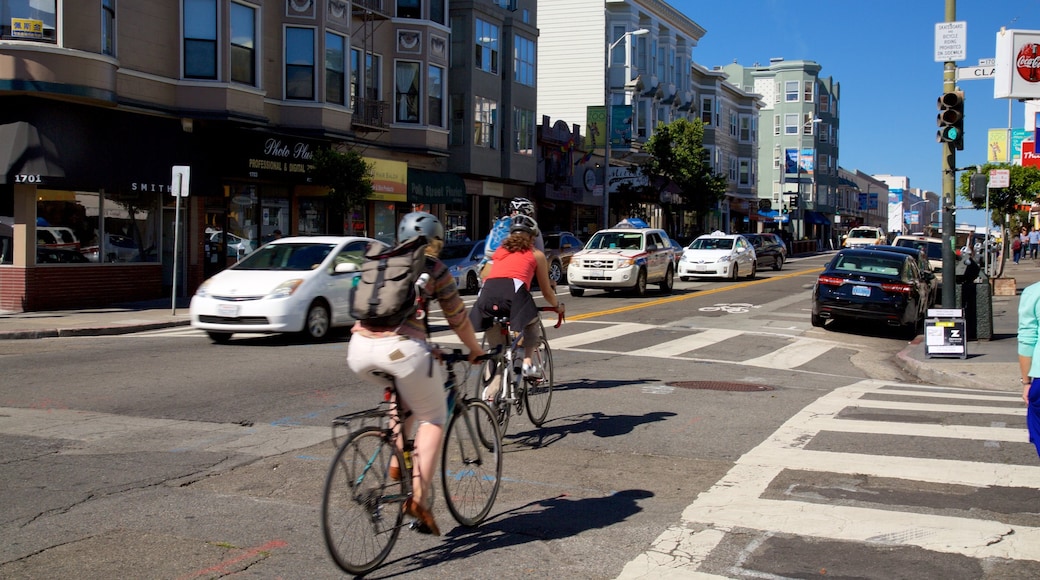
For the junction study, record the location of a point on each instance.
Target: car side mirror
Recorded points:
(346, 268)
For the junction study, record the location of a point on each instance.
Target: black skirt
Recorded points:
(500, 298)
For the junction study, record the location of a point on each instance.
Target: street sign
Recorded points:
(968, 73)
(999, 178)
(951, 41)
(181, 177)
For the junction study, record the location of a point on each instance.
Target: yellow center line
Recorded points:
(695, 294)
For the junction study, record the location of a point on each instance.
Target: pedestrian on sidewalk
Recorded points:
(1018, 244)
(1034, 243)
(1029, 358)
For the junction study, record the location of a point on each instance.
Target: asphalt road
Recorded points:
(686, 433)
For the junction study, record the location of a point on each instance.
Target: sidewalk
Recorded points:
(990, 364)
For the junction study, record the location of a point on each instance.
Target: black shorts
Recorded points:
(499, 297)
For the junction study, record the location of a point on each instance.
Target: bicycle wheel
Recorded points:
(471, 462)
(538, 391)
(361, 511)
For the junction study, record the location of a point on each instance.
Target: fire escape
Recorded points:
(370, 113)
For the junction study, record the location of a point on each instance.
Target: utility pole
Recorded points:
(949, 165)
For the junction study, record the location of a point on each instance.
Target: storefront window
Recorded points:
(89, 227)
(274, 218)
(312, 219)
(242, 232)
(28, 20)
(385, 221)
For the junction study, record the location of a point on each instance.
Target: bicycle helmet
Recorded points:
(523, 223)
(420, 223)
(522, 206)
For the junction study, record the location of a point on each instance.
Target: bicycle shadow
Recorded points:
(539, 521)
(598, 424)
(600, 384)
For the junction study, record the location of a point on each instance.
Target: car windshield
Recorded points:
(873, 234)
(302, 256)
(869, 264)
(624, 241)
(712, 244)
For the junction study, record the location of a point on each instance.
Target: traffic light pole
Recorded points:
(949, 164)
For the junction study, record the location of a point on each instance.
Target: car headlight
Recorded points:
(726, 258)
(203, 289)
(626, 262)
(286, 289)
(682, 258)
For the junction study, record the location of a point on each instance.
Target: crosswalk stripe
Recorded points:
(792, 355)
(687, 343)
(603, 333)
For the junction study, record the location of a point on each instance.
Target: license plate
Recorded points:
(228, 310)
(861, 291)
(700, 267)
(596, 273)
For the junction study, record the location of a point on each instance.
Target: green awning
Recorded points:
(433, 187)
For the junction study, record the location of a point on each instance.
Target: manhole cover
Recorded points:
(719, 386)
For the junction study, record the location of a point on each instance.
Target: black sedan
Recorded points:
(769, 250)
(919, 254)
(872, 285)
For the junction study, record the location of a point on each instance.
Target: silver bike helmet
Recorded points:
(523, 223)
(522, 206)
(420, 223)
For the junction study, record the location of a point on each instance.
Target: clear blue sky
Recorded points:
(882, 52)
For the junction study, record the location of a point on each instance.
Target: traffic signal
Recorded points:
(977, 186)
(951, 119)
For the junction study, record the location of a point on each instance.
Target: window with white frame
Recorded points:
(732, 168)
(486, 45)
(108, 27)
(438, 13)
(776, 124)
(824, 132)
(810, 91)
(808, 124)
(777, 93)
(200, 39)
(29, 20)
(409, 9)
(790, 91)
(707, 106)
(485, 116)
(371, 81)
(791, 123)
(523, 131)
(745, 129)
(524, 53)
(243, 44)
(744, 175)
(825, 103)
(299, 63)
(406, 91)
(335, 68)
(617, 56)
(435, 97)
(776, 156)
(733, 124)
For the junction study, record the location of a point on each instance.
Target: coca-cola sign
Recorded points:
(1016, 73)
(1027, 63)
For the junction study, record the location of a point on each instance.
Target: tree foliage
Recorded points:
(677, 154)
(1024, 190)
(347, 176)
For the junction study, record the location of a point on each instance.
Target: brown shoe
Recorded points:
(423, 515)
(395, 473)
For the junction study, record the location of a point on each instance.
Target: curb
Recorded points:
(932, 375)
(95, 331)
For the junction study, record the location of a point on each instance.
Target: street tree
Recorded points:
(1024, 189)
(678, 156)
(348, 177)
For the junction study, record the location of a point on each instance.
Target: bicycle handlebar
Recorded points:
(559, 317)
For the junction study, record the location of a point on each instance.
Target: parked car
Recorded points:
(623, 258)
(295, 284)
(117, 249)
(718, 255)
(57, 237)
(237, 247)
(933, 247)
(560, 247)
(864, 236)
(769, 250)
(677, 248)
(862, 284)
(463, 260)
(59, 256)
(923, 263)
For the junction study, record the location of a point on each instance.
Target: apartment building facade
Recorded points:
(799, 141)
(100, 100)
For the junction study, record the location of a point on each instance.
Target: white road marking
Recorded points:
(685, 344)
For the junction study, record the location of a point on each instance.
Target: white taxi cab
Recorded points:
(623, 258)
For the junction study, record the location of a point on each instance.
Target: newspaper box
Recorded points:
(945, 333)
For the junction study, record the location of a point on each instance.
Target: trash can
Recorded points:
(975, 298)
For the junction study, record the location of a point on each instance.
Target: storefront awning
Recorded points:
(433, 187)
(817, 218)
(26, 156)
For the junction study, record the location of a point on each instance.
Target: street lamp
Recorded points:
(798, 173)
(607, 107)
(912, 206)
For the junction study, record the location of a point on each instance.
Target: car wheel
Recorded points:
(817, 321)
(669, 281)
(316, 325)
(640, 287)
(734, 273)
(472, 283)
(219, 337)
(555, 272)
(779, 263)
(575, 291)
(754, 270)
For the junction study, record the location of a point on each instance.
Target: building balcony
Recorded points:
(371, 115)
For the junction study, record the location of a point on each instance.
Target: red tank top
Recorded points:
(518, 265)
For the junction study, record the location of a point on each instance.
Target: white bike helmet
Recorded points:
(522, 206)
(523, 223)
(420, 223)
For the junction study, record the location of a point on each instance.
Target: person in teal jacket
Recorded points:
(1029, 358)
